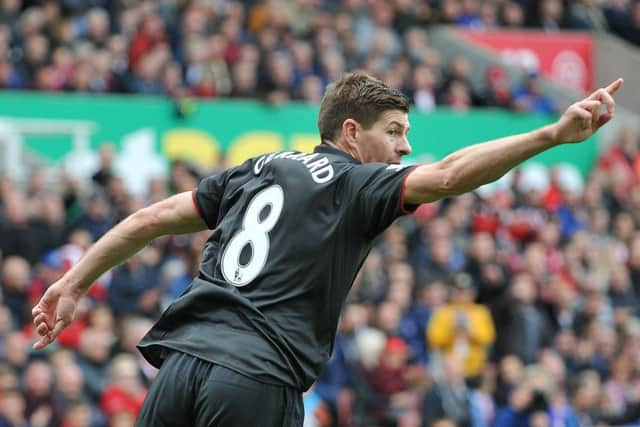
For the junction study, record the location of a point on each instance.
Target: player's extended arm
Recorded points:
(55, 310)
(476, 165)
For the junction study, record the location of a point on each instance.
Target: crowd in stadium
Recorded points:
(507, 308)
(275, 49)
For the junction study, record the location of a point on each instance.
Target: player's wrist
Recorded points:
(69, 288)
(549, 136)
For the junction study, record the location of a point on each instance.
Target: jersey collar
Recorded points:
(325, 148)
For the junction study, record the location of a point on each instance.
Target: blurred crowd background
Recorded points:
(276, 50)
(511, 307)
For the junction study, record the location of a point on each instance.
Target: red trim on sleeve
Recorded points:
(195, 205)
(404, 185)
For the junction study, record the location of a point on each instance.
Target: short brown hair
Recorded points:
(360, 97)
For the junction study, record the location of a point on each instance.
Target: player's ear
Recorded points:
(349, 131)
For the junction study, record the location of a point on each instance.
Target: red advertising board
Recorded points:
(566, 58)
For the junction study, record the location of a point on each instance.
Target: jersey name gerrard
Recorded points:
(319, 167)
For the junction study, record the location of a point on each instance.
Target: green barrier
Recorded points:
(53, 126)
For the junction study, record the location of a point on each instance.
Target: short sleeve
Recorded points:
(378, 192)
(207, 197)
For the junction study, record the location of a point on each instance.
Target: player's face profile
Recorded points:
(387, 139)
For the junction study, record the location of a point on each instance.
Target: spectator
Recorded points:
(522, 329)
(278, 79)
(586, 14)
(97, 216)
(512, 15)
(244, 80)
(552, 15)
(69, 387)
(457, 90)
(633, 30)
(470, 14)
(488, 16)
(93, 359)
(450, 11)
(621, 293)
(312, 89)
(486, 271)
(48, 226)
(134, 288)
(150, 34)
(77, 415)
(389, 380)
(125, 391)
(439, 265)
(119, 198)
(449, 397)
(131, 330)
(12, 409)
(188, 265)
(14, 281)
(16, 352)
(430, 296)
(387, 317)
(105, 170)
(623, 158)
(146, 78)
(18, 236)
(585, 398)
(498, 93)
(526, 407)
(8, 378)
(424, 83)
(38, 398)
(461, 328)
(482, 400)
(36, 48)
(530, 98)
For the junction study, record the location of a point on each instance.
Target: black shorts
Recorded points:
(192, 392)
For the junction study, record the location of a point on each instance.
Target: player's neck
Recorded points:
(343, 147)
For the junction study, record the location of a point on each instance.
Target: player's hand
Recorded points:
(584, 118)
(54, 312)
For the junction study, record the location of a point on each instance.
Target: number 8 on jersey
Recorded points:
(254, 232)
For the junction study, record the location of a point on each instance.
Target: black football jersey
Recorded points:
(290, 232)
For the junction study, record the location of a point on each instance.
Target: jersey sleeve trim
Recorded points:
(195, 205)
(407, 209)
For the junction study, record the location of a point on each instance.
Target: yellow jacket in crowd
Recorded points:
(465, 330)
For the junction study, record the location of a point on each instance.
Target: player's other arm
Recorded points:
(476, 165)
(175, 215)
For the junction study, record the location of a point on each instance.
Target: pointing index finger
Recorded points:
(613, 87)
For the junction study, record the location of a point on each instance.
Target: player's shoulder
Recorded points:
(374, 168)
(376, 176)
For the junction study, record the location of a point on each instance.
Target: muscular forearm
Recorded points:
(175, 215)
(476, 165)
(481, 164)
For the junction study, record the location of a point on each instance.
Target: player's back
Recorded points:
(290, 233)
